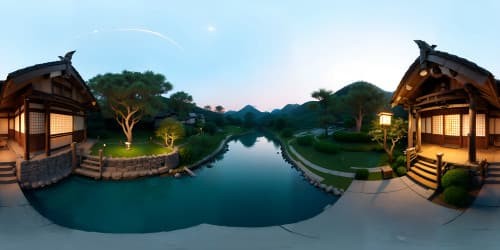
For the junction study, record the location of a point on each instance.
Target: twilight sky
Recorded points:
(265, 53)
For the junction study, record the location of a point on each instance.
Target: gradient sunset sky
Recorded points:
(233, 53)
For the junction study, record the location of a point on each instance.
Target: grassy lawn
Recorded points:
(330, 180)
(141, 145)
(342, 161)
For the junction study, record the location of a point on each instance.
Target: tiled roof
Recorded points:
(461, 60)
(31, 68)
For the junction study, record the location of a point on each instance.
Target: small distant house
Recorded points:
(44, 107)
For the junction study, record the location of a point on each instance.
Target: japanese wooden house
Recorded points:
(43, 107)
(451, 103)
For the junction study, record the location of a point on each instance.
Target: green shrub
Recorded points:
(361, 147)
(287, 133)
(210, 128)
(456, 177)
(351, 137)
(401, 160)
(306, 140)
(362, 174)
(456, 196)
(400, 171)
(326, 147)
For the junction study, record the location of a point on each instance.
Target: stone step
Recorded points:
(427, 164)
(8, 173)
(6, 168)
(424, 174)
(91, 157)
(422, 181)
(493, 169)
(8, 182)
(91, 162)
(7, 163)
(89, 167)
(8, 179)
(494, 174)
(87, 173)
(426, 168)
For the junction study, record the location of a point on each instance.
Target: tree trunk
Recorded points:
(359, 119)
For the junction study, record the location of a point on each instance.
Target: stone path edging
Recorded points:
(321, 169)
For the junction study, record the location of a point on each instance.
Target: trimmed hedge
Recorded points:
(400, 171)
(343, 136)
(362, 174)
(326, 147)
(456, 177)
(361, 147)
(456, 196)
(306, 140)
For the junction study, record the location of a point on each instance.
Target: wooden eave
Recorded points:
(21, 79)
(466, 72)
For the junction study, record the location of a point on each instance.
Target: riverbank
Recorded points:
(232, 133)
(327, 182)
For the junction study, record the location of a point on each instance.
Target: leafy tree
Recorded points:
(170, 130)
(219, 120)
(208, 107)
(249, 119)
(129, 96)
(362, 99)
(324, 98)
(181, 103)
(395, 132)
(219, 109)
(210, 128)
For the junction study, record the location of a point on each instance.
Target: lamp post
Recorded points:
(385, 122)
(127, 144)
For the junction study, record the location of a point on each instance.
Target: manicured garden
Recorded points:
(113, 144)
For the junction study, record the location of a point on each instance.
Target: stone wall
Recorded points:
(40, 173)
(130, 168)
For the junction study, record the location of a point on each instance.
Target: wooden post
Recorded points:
(26, 129)
(73, 155)
(439, 165)
(100, 163)
(408, 159)
(47, 129)
(419, 132)
(472, 121)
(410, 128)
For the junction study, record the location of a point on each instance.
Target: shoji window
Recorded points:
(60, 124)
(480, 125)
(495, 126)
(437, 124)
(428, 125)
(465, 125)
(452, 125)
(37, 123)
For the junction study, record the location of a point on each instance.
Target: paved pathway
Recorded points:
(386, 214)
(319, 168)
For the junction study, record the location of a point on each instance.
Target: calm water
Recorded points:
(250, 185)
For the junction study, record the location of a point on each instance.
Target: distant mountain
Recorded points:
(247, 109)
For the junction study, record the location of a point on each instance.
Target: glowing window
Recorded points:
(60, 124)
(465, 125)
(495, 126)
(452, 125)
(428, 125)
(437, 124)
(37, 123)
(480, 125)
(21, 122)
